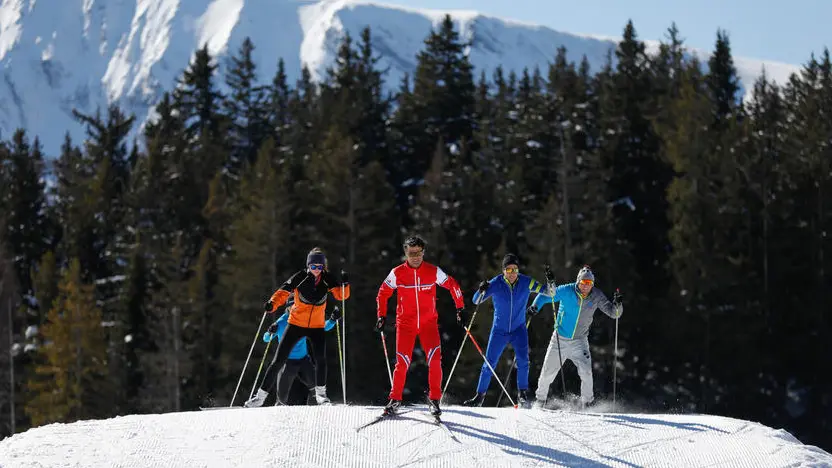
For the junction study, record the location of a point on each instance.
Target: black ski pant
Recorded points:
(294, 333)
(302, 369)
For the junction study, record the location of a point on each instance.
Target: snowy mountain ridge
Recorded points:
(56, 55)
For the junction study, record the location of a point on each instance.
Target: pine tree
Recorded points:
(69, 385)
(246, 107)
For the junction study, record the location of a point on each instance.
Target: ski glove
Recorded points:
(483, 286)
(336, 314)
(380, 324)
(461, 316)
(268, 306)
(345, 277)
(616, 298)
(550, 277)
(532, 311)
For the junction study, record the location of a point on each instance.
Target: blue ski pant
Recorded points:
(497, 341)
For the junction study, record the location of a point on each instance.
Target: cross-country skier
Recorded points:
(578, 303)
(510, 291)
(310, 288)
(299, 365)
(415, 281)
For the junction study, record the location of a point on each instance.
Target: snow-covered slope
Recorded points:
(481, 437)
(56, 55)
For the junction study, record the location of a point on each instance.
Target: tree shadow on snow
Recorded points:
(467, 413)
(535, 452)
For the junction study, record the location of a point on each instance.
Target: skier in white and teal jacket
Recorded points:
(510, 293)
(578, 303)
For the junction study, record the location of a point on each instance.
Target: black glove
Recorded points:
(268, 307)
(273, 328)
(550, 277)
(482, 287)
(380, 324)
(345, 277)
(336, 313)
(461, 316)
(616, 298)
(532, 311)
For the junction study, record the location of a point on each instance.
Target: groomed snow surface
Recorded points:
(298, 436)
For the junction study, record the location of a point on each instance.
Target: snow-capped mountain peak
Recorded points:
(59, 55)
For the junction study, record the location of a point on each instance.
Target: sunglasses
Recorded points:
(511, 270)
(316, 267)
(587, 282)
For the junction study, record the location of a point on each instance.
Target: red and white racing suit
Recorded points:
(416, 316)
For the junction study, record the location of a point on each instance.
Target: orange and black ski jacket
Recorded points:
(310, 297)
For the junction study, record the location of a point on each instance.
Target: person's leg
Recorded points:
(550, 369)
(520, 342)
(429, 338)
(292, 335)
(496, 344)
(583, 361)
(285, 379)
(317, 338)
(405, 339)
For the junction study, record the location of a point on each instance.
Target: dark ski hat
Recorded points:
(510, 259)
(316, 256)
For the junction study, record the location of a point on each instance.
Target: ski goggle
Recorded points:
(316, 267)
(587, 282)
(511, 270)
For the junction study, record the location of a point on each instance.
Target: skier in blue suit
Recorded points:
(510, 291)
(299, 364)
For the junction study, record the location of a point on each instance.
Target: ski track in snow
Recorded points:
(488, 437)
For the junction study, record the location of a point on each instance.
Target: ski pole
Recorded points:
(257, 378)
(387, 358)
(341, 361)
(344, 363)
(513, 363)
(257, 335)
(477, 345)
(459, 353)
(615, 359)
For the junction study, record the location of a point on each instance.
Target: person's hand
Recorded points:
(345, 277)
(380, 324)
(483, 287)
(616, 298)
(268, 306)
(531, 310)
(461, 316)
(550, 277)
(336, 313)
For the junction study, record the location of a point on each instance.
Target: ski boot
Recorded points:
(524, 399)
(320, 395)
(478, 399)
(392, 407)
(433, 407)
(257, 400)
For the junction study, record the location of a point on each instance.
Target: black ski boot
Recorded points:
(433, 407)
(476, 401)
(392, 407)
(525, 398)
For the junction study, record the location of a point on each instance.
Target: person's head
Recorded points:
(414, 250)
(316, 261)
(511, 267)
(585, 280)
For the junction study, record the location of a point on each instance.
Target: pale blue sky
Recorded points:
(783, 31)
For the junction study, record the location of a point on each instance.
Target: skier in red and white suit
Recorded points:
(416, 281)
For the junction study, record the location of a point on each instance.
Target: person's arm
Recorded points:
(341, 291)
(385, 291)
(449, 283)
(285, 290)
(611, 309)
(482, 296)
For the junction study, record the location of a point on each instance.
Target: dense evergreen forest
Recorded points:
(133, 273)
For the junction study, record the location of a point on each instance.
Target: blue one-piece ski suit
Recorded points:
(509, 325)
